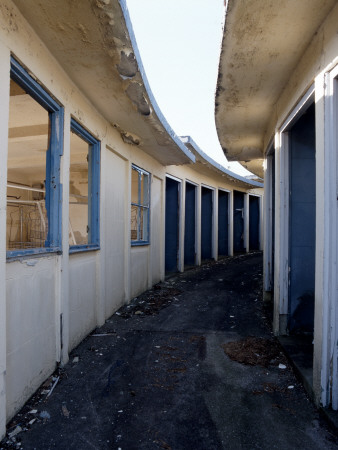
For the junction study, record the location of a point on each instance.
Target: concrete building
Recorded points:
(91, 181)
(276, 112)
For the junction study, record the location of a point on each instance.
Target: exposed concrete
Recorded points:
(128, 65)
(159, 378)
(136, 95)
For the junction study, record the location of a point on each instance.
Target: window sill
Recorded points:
(139, 243)
(83, 248)
(14, 255)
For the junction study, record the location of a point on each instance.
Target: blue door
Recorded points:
(254, 222)
(171, 225)
(302, 223)
(239, 222)
(223, 223)
(206, 223)
(190, 225)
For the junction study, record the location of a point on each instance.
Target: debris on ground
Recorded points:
(150, 302)
(65, 410)
(56, 380)
(166, 373)
(255, 351)
(16, 431)
(45, 415)
(32, 412)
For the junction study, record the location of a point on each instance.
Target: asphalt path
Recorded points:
(191, 364)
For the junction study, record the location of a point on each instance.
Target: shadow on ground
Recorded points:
(191, 364)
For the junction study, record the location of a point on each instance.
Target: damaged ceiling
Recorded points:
(208, 166)
(262, 43)
(94, 43)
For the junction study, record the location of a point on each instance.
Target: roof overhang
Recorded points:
(207, 165)
(262, 43)
(94, 43)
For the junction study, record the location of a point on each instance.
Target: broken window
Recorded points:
(83, 189)
(34, 150)
(140, 205)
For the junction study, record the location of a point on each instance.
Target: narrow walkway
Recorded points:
(157, 375)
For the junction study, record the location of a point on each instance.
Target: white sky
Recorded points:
(179, 42)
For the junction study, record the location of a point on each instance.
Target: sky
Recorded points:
(179, 43)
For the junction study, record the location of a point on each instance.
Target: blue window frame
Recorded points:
(84, 190)
(35, 147)
(140, 206)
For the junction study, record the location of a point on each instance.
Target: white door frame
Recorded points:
(326, 310)
(281, 283)
(267, 224)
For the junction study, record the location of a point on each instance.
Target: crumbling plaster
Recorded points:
(94, 42)
(262, 44)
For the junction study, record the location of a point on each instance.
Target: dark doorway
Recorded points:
(223, 223)
(254, 222)
(206, 223)
(172, 204)
(302, 223)
(239, 222)
(190, 225)
(273, 209)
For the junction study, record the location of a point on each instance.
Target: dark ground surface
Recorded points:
(156, 375)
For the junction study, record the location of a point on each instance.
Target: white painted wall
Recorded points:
(139, 270)
(116, 231)
(246, 222)
(82, 296)
(4, 95)
(31, 332)
(157, 226)
(267, 232)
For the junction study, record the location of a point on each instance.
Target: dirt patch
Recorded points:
(255, 351)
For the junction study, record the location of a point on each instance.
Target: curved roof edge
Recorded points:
(263, 42)
(157, 110)
(190, 143)
(95, 46)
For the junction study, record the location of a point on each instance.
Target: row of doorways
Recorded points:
(207, 217)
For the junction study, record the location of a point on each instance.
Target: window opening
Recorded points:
(140, 206)
(83, 189)
(34, 150)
